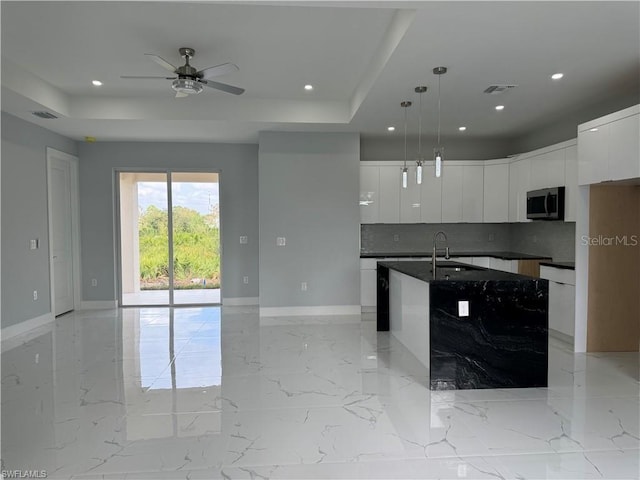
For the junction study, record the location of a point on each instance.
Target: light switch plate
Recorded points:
(463, 308)
(281, 241)
(33, 244)
(244, 239)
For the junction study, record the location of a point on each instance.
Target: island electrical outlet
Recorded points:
(463, 308)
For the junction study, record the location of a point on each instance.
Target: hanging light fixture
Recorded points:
(438, 151)
(405, 172)
(419, 90)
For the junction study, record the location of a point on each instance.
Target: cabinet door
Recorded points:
(472, 193)
(430, 197)
(390, 184)
(571, 183)
(496, 193)
(547, 170)
(410, 199)
(451, 193)
(624, 148)
(562, 308)
(368, 288)
(369, 194)
(593, 153)
(519, 185)
(502, 265)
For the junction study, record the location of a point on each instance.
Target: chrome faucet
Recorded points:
(435, 250)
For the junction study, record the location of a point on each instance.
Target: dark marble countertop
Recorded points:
(564, 265)
(448, 271)
(502, 255)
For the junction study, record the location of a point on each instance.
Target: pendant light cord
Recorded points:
(420, 130)
(439, 110)
(405, 136)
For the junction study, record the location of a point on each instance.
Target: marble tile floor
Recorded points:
(217, 392)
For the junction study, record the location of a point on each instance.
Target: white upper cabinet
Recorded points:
(593, 153)
(410, 202)
(609, 147)
(430, 197)
(496, 193)
(472, 193)
(624, 148)
(547, 170)
(451, 192)
(519, 185)
(570, 183)
(390, 184)
(369, 194)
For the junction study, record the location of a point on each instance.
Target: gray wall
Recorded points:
(374, 148)
(553, 239)
(25, 217)
(238, 167)
(309, 195)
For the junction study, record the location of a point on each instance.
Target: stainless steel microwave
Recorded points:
(546, 204)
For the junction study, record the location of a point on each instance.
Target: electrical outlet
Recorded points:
(492, 237)
(244, 240)
(37, 358)
(94, 282)
(396, 238)
(35, 294)
(463, 308)
(535, 239)
(245, 280)
(303, 286)
(281, 241)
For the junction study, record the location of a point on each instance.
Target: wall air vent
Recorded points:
(498, 89)
(44, 115)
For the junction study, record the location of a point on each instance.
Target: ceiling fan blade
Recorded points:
(181, 94)
(147, 77)
(223, 86)
(221, 69)
(162, 62)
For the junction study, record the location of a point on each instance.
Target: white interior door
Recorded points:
(61, 240)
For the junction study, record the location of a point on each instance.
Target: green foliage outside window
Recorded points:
(196, 249)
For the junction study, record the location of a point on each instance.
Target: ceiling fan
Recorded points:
(189, 81)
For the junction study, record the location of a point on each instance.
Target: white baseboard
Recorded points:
(240, 301)
(99, 305)
(369, 309)
(561, 336)
(24, 327)
(302, 311)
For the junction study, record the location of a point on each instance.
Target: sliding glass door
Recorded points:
(169, 238)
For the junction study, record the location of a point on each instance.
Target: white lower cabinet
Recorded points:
(503, 265)
(562, 294)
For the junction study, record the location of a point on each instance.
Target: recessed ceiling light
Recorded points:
(308, 87)
(462, 129)
(557, 76)
(499, 107)
(391, 129)
(96, 83)
(593, 130)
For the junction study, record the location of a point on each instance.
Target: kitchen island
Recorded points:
(472, 327)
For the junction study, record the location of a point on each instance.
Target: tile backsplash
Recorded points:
(553, 239)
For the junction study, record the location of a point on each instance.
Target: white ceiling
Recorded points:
(362, 57)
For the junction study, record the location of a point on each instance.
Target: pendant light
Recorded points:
(419, 90)
(405, 172)
(438, 151)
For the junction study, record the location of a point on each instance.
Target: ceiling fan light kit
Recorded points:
(189, 80)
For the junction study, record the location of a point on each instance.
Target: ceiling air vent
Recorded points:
(44, 115)
(498, 89)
